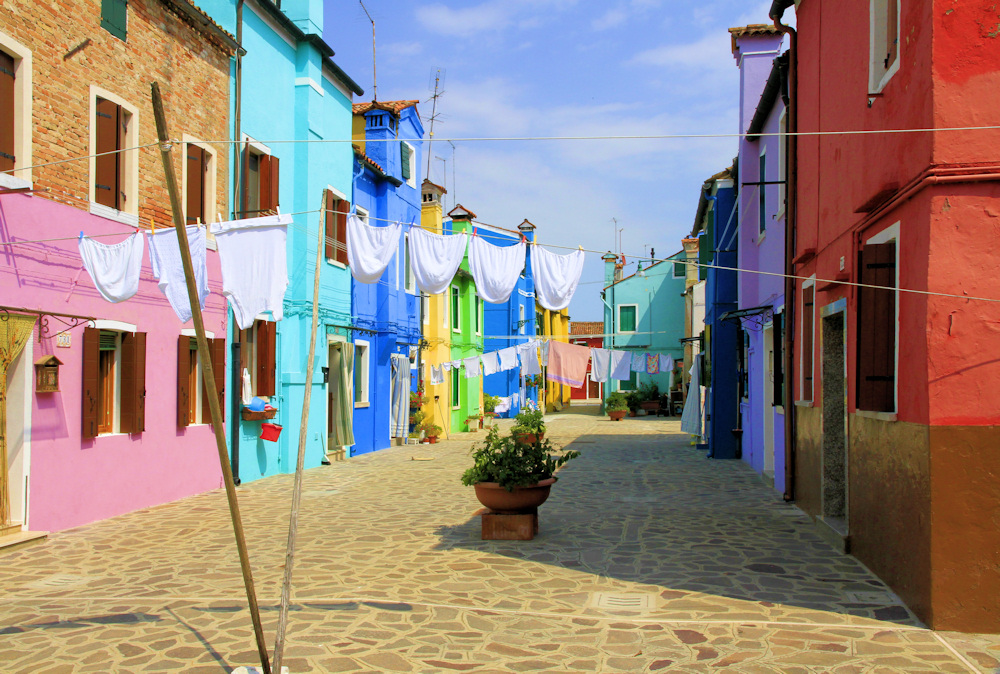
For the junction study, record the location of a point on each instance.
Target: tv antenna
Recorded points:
(374, 71)
(438, 92)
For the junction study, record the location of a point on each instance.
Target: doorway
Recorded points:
(767, 410)
(16, 436)
(336, 451)
(834, 409)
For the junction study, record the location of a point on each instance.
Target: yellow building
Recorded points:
(436, 345)
(553, 324)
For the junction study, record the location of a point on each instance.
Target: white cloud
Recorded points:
(610, 19)
(401, 49)
(711, 53)
(489, 16)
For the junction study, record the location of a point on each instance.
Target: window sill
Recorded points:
(103, 211)
(361, 405)
(877, 416)
(779, 409)
(780, 214)
(761, 237)
(339, 265)
(803, 403)
(9, 182)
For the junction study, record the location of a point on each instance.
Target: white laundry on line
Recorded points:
(556, 276)
(370, 249)
(495, 269)
(165, 257)
(434, 258)
(114, 268)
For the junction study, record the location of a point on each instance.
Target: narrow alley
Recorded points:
(650, 557)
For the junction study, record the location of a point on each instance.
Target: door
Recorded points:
(767, 381)
(593, 388)
(17, 410)
(834, 405)
(334, 355)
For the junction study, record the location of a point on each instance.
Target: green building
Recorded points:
(465, 316)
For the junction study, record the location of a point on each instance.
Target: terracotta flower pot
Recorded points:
(617, 415)
(432, 439)
(650, 405)
(522, 499)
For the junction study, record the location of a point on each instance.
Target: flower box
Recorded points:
(248, 414)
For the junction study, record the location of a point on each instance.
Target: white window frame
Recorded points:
(809, 282)
(762, 195)
(412, 180)
(520, 319)
(891, 233)
(23, 95)
(210, 178)
(478, 309)
(455, 320)
(129, 216)
(197, 395)
(878, 74)
(619, 317)
(456, 385)
(408, 280)
(361, 213)
(119, 328)
(362, 359)
(782, 163)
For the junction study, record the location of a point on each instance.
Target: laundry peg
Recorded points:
(81, 236)
(152, 225)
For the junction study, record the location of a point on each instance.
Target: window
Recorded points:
(782, 161)
(627, 317)
(114, 173)
(362, 352)
(7, 112)
(15, 113)
(778, 350)
(199, 183)
(679, 270)
(114, 382)
(337, 210)
(877, 325)
(455, 313)
(257, 356)
(409, 281)
(808, 337)
(260, 180)
(630, 384)
(478, 312)
(744, 365)
(408, 161)
(884, 43)
(192, 399)
(762, 193)
(114, 17)
(520, 319)
(456, 383)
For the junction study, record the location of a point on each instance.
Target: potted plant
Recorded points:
(472, 422)
(417, 398)
(650, 395)
(414, 437)
(417, 418)
(511, 476)
(430, 431)
(633, 400)
(489, 409)
(529, 424)
(616, 406)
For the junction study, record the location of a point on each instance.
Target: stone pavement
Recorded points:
(649, 558)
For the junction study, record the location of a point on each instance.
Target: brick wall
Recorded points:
(71, 51)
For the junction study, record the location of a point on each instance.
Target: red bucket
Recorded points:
(270, 432)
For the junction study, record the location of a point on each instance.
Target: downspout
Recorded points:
(789, 94)
(237, 378)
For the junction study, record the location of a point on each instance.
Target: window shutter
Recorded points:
(343, 208)
(106, 185)
(183, 389)
(114, 17)
(245, 181)
(404, 159)
(91, 379)
(265, 358)
(195, 184)
(133, 398)
(6, 112)
(808, 295)
(217, 348)
(877, 329)
(272, 185)
(331, 227)
(778, 343)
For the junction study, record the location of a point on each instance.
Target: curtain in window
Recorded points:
(15, 331)
(691, 418)
(400, 395)
(342, 426)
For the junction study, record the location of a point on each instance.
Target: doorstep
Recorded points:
(833, 530)
(21, 539)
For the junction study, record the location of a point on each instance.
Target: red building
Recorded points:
(897, 413)
(587, 333)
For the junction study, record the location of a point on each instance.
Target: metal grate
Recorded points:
(623, 601)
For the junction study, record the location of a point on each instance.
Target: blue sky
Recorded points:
(535, 68)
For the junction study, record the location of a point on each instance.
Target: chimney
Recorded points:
(610, 268)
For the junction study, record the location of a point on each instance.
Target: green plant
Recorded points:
(530, 419)
(490, 403)
(418, 417)
(415, 435)
(417, 398)
(510, 463)
(430, 430)
(617, 402)
(649, 391)
(633, 399)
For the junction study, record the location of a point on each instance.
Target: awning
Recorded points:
(744, 313)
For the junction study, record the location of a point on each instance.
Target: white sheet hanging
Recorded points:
(254, 265)
(491, 364)
(370, 249)
(529, 358)
(600, 364)
(556, 276)
(495, 268)
(508, 358)
(114, 268)
(471, 367)
(621, 365)
(168, 270)
(434, 258)
(437, 374)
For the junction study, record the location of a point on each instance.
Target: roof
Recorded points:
(203, 23)
(703, 200)
(586, 327)
(374, 166)
(395, 107)
(460, 212)
(439, 188)
(751, 30)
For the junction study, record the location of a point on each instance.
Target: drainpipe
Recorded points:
(235, 397)
(236, 386)
(778, 8)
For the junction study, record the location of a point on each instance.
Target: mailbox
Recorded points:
(47, 374)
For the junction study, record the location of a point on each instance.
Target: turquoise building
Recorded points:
(644, 313)
(286, 87)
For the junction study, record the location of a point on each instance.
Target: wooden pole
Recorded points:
(206, 368)
(293, 522)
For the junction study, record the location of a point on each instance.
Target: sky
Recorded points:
(542, 68)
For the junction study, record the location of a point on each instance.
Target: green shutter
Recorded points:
(109, 340)
(114, 17)
(404, 158)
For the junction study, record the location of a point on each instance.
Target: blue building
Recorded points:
(386, 315)
(286, 87)
(715, 226)
(512, 322)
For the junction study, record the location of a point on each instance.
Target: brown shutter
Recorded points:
(343, 208)
(195, 184)
(265, 358)
(106, 186)
(808, 295)
(133, 382)
(6, 112)
(217, 347)
(245, 181)
(884, 366)
(91, 379)
(183, 369)
(331, 227)
(271, 186)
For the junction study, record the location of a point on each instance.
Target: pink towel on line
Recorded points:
(568, 363)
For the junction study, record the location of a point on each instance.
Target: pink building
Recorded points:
(126, 427)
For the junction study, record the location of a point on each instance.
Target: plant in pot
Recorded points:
(417, 418)
(430, 431)
(633, 400)
(529, 424)
(510, 475)
(417, 398)
(650, 397)
(489, 409)
(616, 406)
(472, 421)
